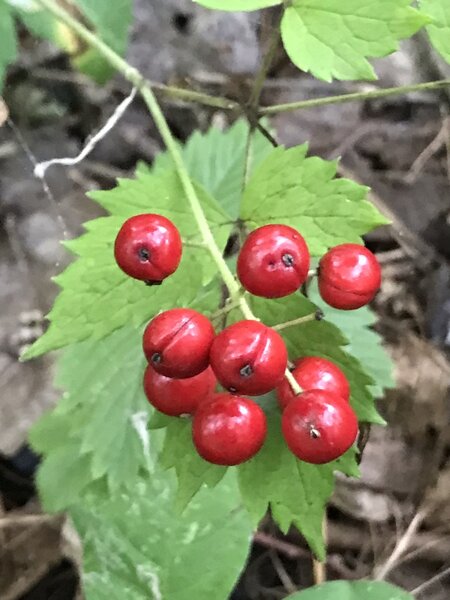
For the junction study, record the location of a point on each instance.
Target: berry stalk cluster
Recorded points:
(188, 359)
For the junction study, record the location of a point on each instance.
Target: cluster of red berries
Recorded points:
(186, 358)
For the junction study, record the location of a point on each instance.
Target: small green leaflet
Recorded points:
(439, 29)
(290, 188)
(363, 342)
(352, 590)
(216, 160)
(96, 297)
(238, 5)
(136, 546)
(8, 43)
(93, 434)
(332, 39)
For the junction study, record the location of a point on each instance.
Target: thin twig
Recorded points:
(433, 147)
(315, 316)
(424, 586)
(261, 76)
(383, 93)
(402, 545)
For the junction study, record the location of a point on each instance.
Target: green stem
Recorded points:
(290, 106)
(315, 316)
(134, 77)
(265, 66)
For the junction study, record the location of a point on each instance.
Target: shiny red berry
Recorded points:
(319, 426)
(249, 358)
(349, 276)
(273, 261)
(314, 372)
(177, 342)
(175, 397)
(148, 247)
(228, 430)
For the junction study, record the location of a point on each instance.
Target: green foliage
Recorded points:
(136, 544)
(216, 160)
(238, 4)
(296, 492)
(304, 193)
(439, 29)
(330, 38)
(112, 26)
(352, 590)
(8, 43)
(92, 435)
(96, 297)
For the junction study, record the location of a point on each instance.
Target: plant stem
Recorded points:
(265, 65)
(382, 93)
(315, 316)
(134, 77)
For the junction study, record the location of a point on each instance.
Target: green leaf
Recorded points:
(216, 160)
(331, 38)
(136, 546)
(320, 338)
(352, 590)
(8, 42)
(112, 26)
(296, 492)
(304, 193)
(93, 433)
(191, 470)
(97, 297)
(364, 343)
(235, 5)
(439, 29)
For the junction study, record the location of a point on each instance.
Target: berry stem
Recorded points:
(132, 75)
(315, 316)
(296, 387)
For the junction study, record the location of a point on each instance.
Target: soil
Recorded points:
(400, 147)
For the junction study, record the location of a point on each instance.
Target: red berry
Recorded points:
(175, 397)
(177, 342)
(319, 426)
(148, 247)
(249, 358)
(228, 430)
(273, 261)
(314, 373)
(349, 276)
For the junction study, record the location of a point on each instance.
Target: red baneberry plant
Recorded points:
(107, 454)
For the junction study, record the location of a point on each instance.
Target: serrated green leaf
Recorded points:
(94, 427)
(304, 193)
(136, 544)
(238, 5)
(364, 343)
(296, 492)
(439, 29)
(352, 590)
(216, 160)
(8, 42)
(329, 38)
(320, 338)
(191, 470)
(96, 296)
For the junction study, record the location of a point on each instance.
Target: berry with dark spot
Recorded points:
(249, 358)
(148, 247)
(319, 426)
(273, 261)
(177, 342)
